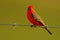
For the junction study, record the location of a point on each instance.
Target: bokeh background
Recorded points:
(14, 11)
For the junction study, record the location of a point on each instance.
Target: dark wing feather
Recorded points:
(37, 18)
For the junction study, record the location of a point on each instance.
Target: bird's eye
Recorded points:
(29, 8)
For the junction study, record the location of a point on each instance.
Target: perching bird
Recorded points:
(35, 19)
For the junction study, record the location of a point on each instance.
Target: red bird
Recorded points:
(35, 19)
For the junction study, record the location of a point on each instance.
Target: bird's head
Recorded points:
(30, 7)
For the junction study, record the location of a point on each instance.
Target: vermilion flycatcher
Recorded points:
(35, 19)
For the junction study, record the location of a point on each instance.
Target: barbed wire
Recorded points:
(26, 25)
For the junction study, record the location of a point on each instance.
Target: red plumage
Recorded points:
(35, 19)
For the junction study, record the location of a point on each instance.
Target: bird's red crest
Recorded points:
(30, 6)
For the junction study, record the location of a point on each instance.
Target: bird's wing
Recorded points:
(38, 18)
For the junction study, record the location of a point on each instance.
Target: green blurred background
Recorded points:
(14, 11)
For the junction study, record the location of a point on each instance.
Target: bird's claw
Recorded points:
(33, 25)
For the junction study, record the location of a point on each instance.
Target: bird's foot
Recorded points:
(33, 25)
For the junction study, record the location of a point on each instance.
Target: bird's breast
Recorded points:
(32, 20)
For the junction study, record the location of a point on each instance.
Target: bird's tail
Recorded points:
(47, 30)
